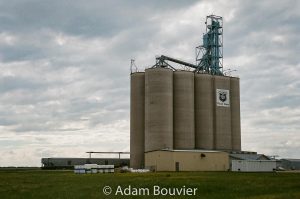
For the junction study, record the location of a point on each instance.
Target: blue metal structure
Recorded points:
(209, 55)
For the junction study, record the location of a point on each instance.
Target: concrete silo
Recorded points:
(137, 117)
(222, 113)
(158, 109)
(235, 113)
(183, 104)
(204, 116)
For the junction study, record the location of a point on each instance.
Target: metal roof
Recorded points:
(291, 160)
(249, 156)
(189, 150)
(65, 158)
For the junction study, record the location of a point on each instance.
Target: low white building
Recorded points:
(93, 168)
(253, 165)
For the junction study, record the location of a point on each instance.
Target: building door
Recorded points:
(177, 166)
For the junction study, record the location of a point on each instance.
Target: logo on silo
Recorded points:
(222, 97)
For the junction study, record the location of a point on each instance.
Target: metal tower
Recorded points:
(209, 55)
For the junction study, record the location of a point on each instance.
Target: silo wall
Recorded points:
(183, 109)
(235, 113)
(158, 109)
(222, 113)
(137, 120)
(204, 103)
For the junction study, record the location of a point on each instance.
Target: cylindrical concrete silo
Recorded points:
(158, 109)
(204, 102)
(235, 113)
(222, 113)
(183, 109)
(137, 120)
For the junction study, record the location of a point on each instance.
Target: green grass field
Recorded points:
(66, 184)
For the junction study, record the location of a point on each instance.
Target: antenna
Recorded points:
(132, 65)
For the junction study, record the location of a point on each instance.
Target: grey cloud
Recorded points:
(15, 83)
(292, 100)
(93, 18)
(259, 23)
(20, 53)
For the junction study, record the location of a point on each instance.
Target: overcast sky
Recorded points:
(64, 70)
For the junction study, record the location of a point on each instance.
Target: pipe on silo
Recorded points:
(222, 113)
(235, 113)
(183, 108)
(158, 109)
(204, 116)
(137, 119)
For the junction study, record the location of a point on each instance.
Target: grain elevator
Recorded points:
(192, 110)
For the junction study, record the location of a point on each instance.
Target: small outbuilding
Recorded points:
(187, 160)
(290, 164)
(69, 163)
(253, 165)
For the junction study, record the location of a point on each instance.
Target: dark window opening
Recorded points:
(177, 166)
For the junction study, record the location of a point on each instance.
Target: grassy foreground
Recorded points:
(66, 184)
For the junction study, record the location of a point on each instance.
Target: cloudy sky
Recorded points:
(64, 70)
